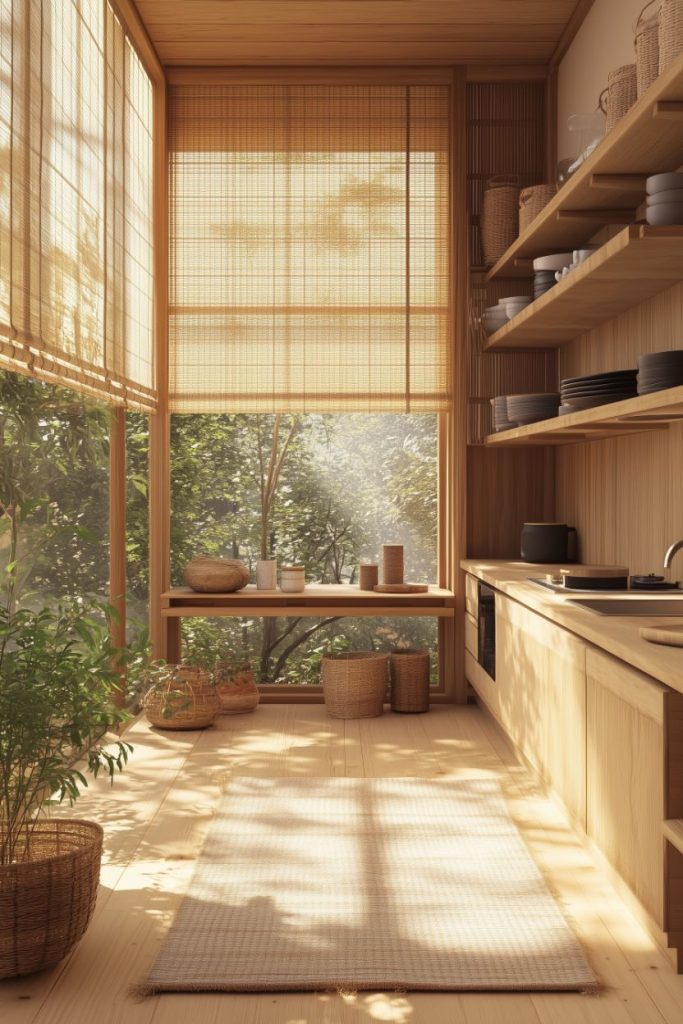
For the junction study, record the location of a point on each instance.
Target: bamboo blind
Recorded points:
(309, 248)
(75, 200)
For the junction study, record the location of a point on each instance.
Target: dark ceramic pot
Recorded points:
(548, 542)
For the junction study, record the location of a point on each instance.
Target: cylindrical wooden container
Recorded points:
(369, 577)
(409, 670)
(622, 92)
(354, 684)
(647, 46)
(670, 32)
(392, 563)
(293, 579)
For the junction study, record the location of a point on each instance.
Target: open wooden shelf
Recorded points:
(610, 184)
(634, 265)
(631, 416)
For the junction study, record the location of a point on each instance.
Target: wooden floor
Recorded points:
(157, 814)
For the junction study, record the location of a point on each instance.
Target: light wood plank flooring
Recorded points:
(156, 817)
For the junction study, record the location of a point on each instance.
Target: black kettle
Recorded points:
(548, 542)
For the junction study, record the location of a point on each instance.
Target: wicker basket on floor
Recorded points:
(354, 684)
(184, 697)
(670, 32)
(235, 686)
(409, 670)
(622, 92)
(47, 898)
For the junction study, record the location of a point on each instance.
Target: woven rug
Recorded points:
(323, 883)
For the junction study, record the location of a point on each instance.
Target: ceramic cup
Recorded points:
(266, 574)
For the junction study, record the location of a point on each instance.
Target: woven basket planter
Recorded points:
(236, 689)
(647, 46)
(499, 216)
(531, 202)
(216, 575)
(48, 898)
(183, 698)
(670, 32)
(409, 671)
(354, 685)
(622, 92)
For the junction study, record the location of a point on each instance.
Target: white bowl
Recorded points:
(665, 213)
(579, 255)
(516, 307)
(555, 262)
(663, 182)
(672, 195)
(514, 298)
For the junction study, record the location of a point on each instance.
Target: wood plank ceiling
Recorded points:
(261, 32)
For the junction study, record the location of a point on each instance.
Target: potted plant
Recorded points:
(59, 673)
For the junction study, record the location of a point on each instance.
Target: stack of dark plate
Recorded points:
(523, 409)
(659, 370)
(597, 389)
(544, 280)
(500, 413)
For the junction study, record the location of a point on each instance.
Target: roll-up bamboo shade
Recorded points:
(309, 248)
(75, 200)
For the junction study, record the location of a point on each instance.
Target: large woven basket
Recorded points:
(409, 670)
(499, 216)
(354, 684)
(235, 686)
(670, 32)
(647, 46)
(531, 202)
(622, 92)
(216, 575)
(48, 897)
(183, 698)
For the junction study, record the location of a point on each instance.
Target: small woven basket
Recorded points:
(647, 47)
(236, 689)
(621, 93)
(409, 670)
(531, 202)
(184, 698)
(48, 896)
(216, 575)
(354, 684)
(670, 32)
(499, 216)
(392, 563)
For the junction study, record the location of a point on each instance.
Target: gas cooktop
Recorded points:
(639, 584)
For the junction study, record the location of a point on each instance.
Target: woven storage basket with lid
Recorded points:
(499, 216)
(235, 686)
(647, 45)
(621, 93)
(409, 670)
(47, 898)
(216, 575)
(670, 32)
(531, 202)
(354, 684)
(183, 698)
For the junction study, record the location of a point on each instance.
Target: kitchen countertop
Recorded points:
(613, 633)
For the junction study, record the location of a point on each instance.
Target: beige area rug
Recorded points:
(323, 883)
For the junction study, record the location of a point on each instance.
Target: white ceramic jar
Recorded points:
(293, 579)
(266, 574)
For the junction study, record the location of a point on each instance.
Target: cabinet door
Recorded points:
(541, 676)
(625, 759)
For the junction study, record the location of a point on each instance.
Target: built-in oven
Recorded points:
(486, 645)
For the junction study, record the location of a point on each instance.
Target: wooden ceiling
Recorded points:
(261, 32)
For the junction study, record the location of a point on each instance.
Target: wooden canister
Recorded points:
(369, 577)
(392, 563)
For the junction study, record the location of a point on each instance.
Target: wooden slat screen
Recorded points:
(309, 248)
(75, 200)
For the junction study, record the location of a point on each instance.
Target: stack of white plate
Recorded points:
(596, 389)
(514, 304)
(493, 318)
(523, 409)
(664, 199)
(659, 370)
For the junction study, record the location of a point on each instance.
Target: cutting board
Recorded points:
(672, 636)
(401, 588)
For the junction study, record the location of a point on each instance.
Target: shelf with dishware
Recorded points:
(609, 185)
(654, 411)
(633, 266)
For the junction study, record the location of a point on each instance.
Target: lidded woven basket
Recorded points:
(409, 670)
(235, 686)
(48, 895)
(531, 202)
(499, 216)
(216, 575)
(354, 684)
(622, 92)
(184, 697)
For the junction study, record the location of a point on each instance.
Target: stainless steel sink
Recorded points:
(660, 606)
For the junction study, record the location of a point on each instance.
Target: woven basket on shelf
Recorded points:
(647, 46)
(499, 216)
(621, 93)
(670, 32)
(216, 575)
(183, 698)
(531, 202)
(355, 684)
(409, 671)
(48, 897)
(235, 686)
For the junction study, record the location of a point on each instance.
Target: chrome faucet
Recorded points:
(670, 552)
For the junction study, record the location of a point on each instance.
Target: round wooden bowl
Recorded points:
(216, 575)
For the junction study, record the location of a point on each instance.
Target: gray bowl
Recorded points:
(663, 182)
(672, 195)
(664, 213)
